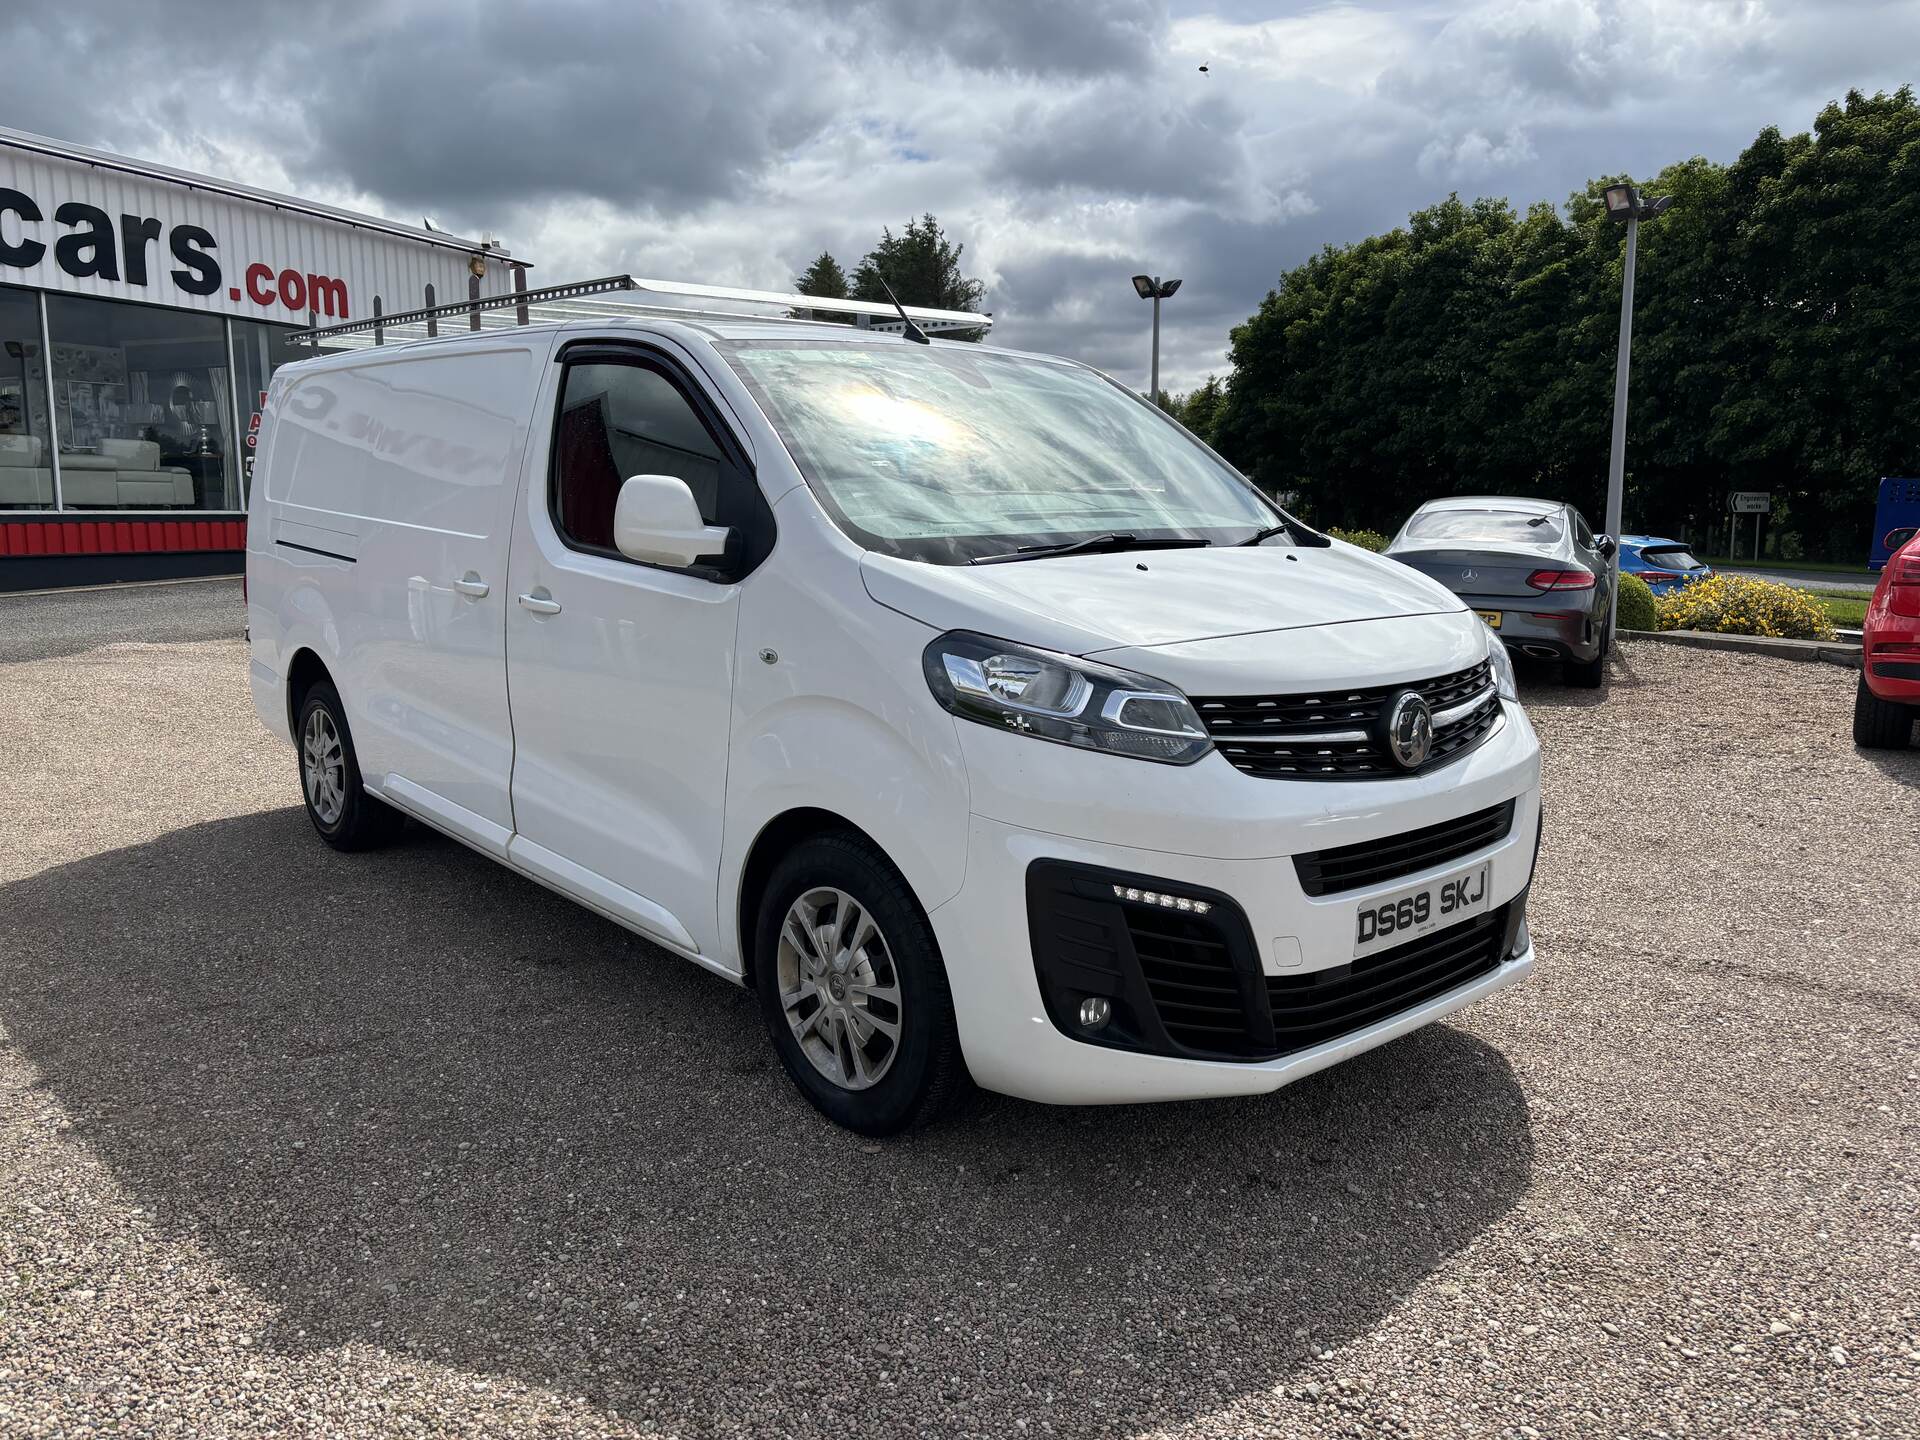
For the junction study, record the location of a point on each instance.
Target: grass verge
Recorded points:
(1847, 609)
(1786, 567)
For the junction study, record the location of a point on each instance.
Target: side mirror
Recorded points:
(656, 521)
(1605, 545)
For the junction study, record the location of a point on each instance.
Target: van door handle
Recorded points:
(540, 602)
(472, 586)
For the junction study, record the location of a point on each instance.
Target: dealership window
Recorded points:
(26, 466)
(142, 407)
(258, 351)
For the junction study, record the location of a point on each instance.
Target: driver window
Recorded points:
(618, 420)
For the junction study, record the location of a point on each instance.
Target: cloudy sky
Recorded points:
(1067, 143)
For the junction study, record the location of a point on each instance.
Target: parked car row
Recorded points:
(1536, 572)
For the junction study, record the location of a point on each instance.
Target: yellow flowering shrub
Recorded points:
(1366, 539)
(1738, 605)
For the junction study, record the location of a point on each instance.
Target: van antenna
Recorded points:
(914, 332)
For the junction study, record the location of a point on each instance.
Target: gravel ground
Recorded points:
(300, 1143)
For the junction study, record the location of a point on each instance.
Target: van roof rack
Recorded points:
(614, 297)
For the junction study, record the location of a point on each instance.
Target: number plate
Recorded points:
(1382, 924)
(1492, 617)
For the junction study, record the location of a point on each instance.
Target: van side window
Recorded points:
(618, 420)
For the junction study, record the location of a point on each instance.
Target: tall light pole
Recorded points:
(1151, 287)
(1624, 204)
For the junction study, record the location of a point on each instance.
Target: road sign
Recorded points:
(1750, 502)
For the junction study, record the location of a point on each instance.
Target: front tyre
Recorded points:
(1880, 724)
(347, 817)
(853, 990)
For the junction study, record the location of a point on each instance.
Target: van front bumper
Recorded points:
(1001, 935)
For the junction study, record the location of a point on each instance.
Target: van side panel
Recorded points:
(387, 496)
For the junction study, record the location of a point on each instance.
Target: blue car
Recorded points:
(1664, 564)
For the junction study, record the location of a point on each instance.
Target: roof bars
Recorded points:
(607, 298)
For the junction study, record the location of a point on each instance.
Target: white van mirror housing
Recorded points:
(656, 521)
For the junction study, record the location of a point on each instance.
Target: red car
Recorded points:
(1888, 701)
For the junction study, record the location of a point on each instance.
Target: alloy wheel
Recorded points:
(839, 988)
(323, 766)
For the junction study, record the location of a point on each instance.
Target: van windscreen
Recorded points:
(951, 451)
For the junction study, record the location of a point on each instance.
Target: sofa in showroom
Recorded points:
(121, 475)
(25, 479)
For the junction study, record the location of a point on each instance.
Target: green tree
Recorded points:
(823, 277)
(1776, 346)
(1838, 236)
(1198, 408)
(923, 268)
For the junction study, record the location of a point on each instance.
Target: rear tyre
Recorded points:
(1589, 674)
(853, 990)
(1880, 724)
(347, 817)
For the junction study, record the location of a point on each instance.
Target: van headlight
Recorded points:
(1068, 701)
(1502, 663)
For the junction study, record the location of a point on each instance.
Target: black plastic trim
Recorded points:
(1375, 862)
(1082, 946)
(314, 550)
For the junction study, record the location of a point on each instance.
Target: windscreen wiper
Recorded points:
(1288, 526)
(1114, 540)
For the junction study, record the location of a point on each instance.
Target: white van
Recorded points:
(956, 700)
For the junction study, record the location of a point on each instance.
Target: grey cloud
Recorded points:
(480, 106)
(1112, 139)
(652, 106)
(1028, 37)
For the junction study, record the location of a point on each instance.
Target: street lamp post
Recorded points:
(1624, 204)
(1151, 287)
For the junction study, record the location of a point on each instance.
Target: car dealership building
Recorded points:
(141, 312)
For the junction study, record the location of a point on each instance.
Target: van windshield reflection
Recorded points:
(953, 452)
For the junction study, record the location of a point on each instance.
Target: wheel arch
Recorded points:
(775, 838)
(304, 670)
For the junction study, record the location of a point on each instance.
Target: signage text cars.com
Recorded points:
(87, 242)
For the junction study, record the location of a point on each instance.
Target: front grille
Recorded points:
(1335, 734)
(1308, 1009)
(1374, 862)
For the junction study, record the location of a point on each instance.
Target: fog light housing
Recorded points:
(1095, 1011)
